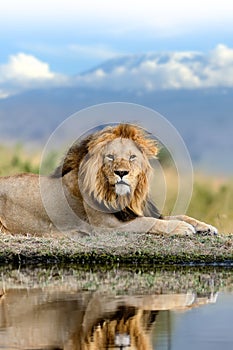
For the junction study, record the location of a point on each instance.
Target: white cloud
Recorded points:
(24, 67)
(166, 71)
(146, 72)
(23, 71)
(221, 56)
(219, 69)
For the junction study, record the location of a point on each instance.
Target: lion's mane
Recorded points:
(83, 159)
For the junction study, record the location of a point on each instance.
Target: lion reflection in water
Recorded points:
(55, 319)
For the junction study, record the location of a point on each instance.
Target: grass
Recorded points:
(136, 249)
(16, 160)
(211, 202)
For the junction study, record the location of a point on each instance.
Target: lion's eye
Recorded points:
(132, 157)
(110, 157)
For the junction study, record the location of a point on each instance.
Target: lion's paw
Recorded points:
(205, 229)
(183, 229)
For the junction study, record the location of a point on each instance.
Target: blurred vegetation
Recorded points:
(212, 198)
(16, 159)
(212, 201)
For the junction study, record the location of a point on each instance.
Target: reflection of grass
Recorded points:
(133, 280)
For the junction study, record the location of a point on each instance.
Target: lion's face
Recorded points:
(122, 166)
(114, 174)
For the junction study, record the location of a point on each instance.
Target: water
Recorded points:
(121, 308)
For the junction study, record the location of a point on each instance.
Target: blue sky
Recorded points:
(59, 38)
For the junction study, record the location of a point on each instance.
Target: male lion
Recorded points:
(102, 182)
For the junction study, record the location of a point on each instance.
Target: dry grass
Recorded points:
(131, 249)
(211, 202)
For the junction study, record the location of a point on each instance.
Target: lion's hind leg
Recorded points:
(199, 226)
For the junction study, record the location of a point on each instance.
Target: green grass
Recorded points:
(16, 160)
(212, 201)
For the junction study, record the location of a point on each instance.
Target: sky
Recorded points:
(48, 41)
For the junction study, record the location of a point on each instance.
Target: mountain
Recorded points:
(166, 70)
(202, 115)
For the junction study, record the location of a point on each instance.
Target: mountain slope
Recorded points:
(202, 116)
(158, 71)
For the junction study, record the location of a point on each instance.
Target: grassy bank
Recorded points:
(141, 249)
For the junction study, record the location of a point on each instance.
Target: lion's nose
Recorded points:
(121, 173)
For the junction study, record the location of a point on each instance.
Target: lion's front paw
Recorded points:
(205, 229)
(171, 227)
(183, 228)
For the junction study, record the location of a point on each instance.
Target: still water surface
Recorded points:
(80, 309)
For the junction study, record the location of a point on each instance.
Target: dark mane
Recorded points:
(73, 158)
(127, 214)
(151, 210)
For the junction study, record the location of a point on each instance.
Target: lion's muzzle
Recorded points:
(122, 187)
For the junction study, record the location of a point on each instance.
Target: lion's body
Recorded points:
(21, 207)
(18, 196)
(102, 182)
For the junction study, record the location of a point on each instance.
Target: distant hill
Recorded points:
(203, 116)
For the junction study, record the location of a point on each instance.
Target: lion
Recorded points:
(103, 182)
